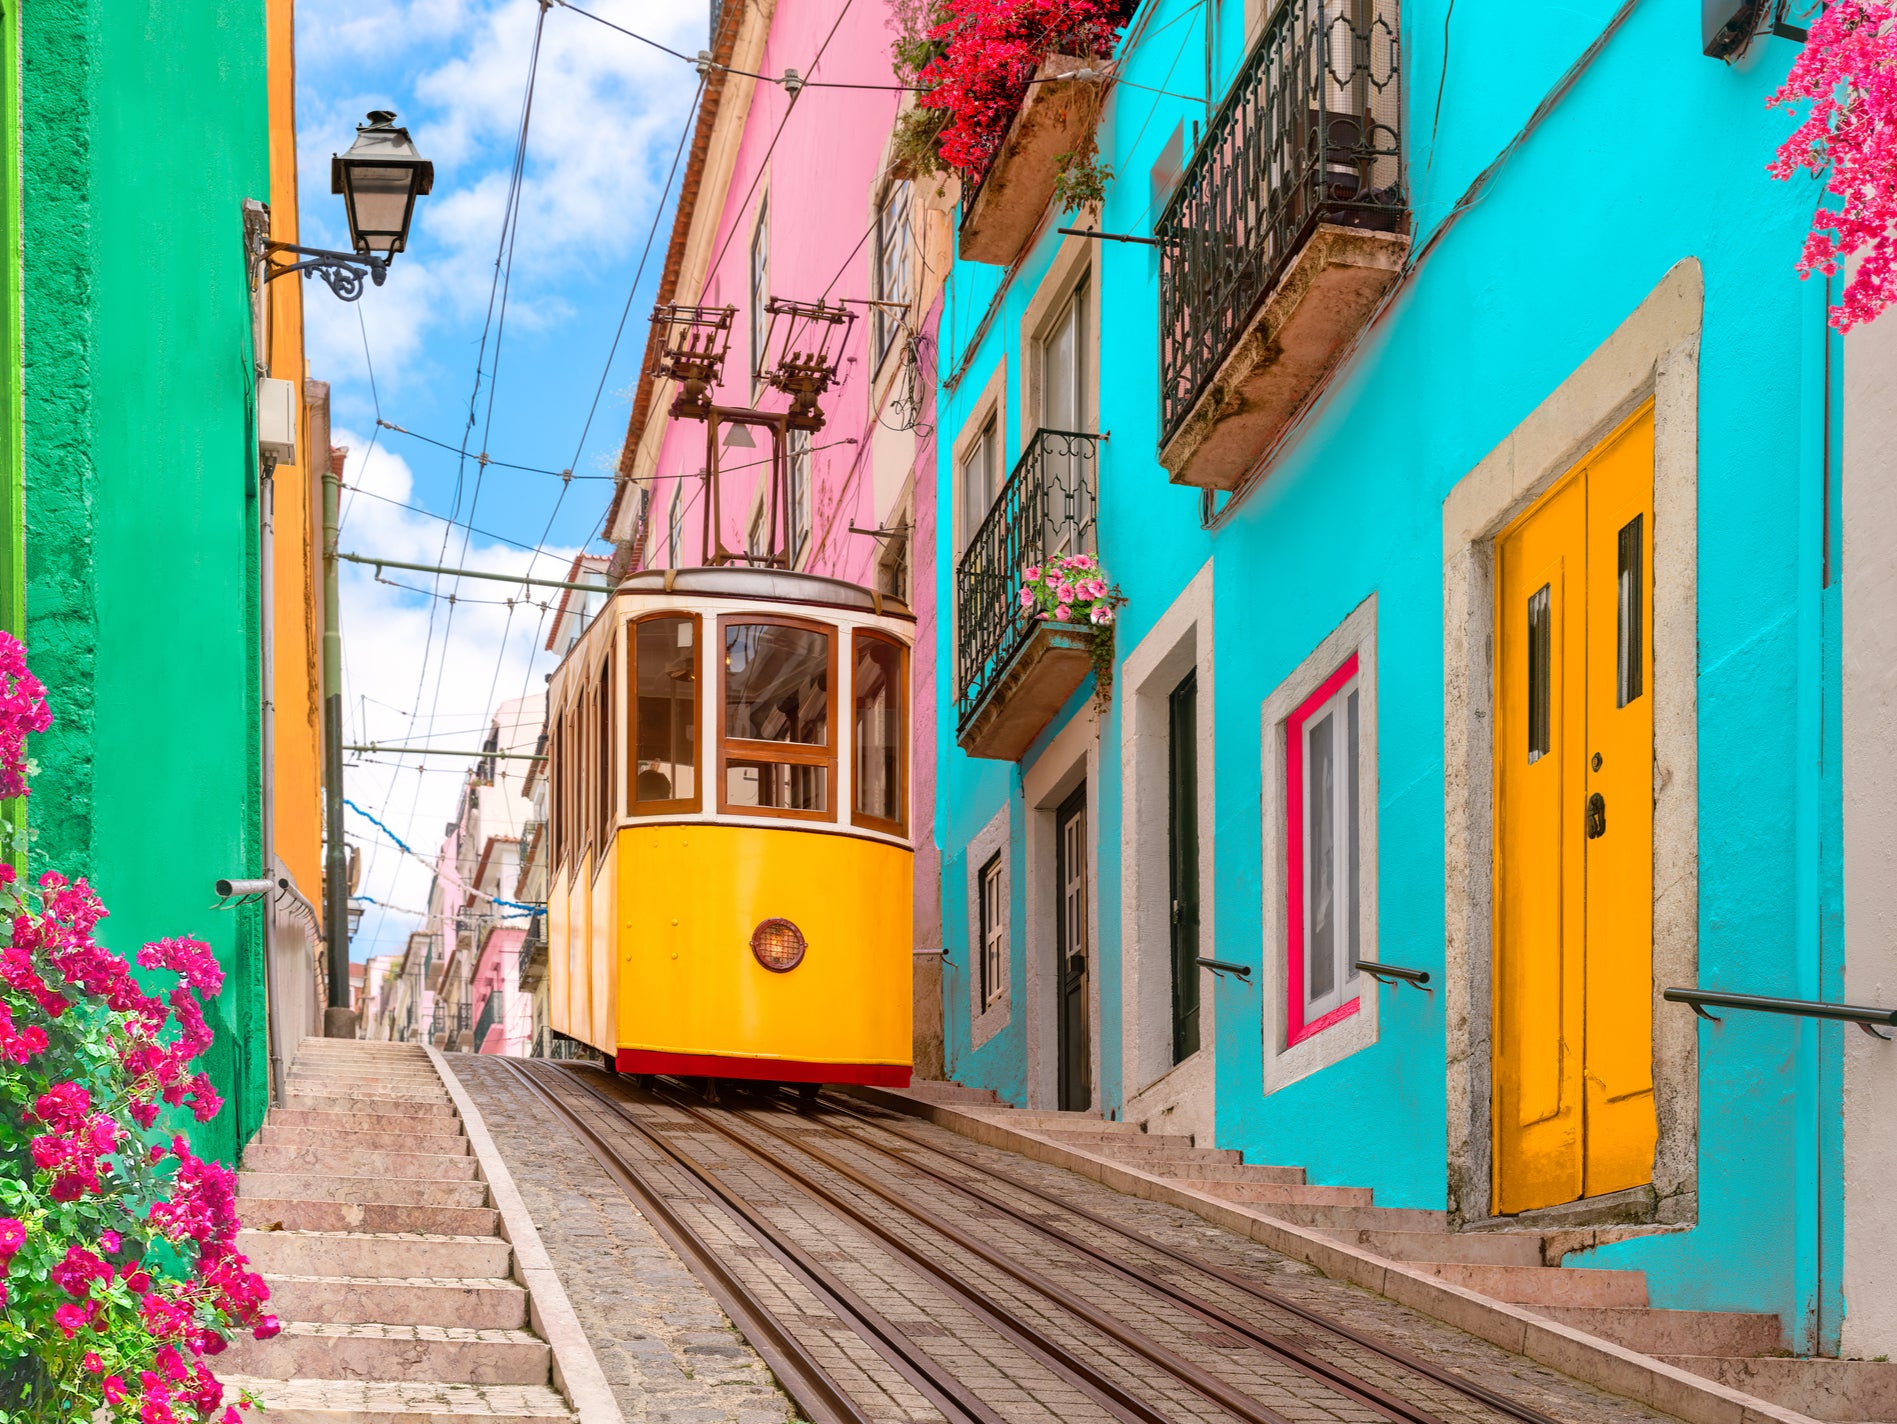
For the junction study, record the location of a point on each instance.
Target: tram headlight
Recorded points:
(779, 945)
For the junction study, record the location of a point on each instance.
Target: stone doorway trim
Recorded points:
(1653, 354)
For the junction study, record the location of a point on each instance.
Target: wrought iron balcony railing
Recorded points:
(1308, 134)
(1049, 507)
(490, 1015)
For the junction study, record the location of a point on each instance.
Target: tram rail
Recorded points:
(823, 1398)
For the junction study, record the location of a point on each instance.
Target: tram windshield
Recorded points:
(780, 747)
(878, 690)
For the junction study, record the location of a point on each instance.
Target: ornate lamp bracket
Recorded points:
(342, 271)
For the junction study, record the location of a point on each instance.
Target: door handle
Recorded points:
(1596, 816)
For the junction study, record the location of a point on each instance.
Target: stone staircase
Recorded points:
(365, 1212)
(1740, 1350)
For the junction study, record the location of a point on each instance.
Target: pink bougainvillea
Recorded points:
(119, 1271)
(987, 52)
(1848, 74)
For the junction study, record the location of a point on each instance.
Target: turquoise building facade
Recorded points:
(1580, 228)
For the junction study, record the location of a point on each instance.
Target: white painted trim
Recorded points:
(1284, 1063)
(1869, 704)
(1653, 354)
(1171, 1097)
(1071, 757)
(985, 1021)
(576, 1370)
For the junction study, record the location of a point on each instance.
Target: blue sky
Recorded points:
(607, 115)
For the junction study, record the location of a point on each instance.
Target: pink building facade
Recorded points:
(789, 195)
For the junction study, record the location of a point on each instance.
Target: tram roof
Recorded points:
(766, 585)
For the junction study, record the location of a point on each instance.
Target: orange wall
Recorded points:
(298, 696)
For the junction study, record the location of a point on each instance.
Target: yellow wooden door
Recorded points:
(1573, 981)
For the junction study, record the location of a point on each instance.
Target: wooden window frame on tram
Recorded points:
(783, 753)
(899, 826)
(678, 805)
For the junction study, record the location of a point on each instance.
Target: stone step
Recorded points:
(344, 1161)
(1476, 1248)
(359, 1052)
(1362, 1218)
(431, 1124)
(450, 1354)
(356, 1140)
(1138, 1151)
(1036, 1120)
(931, 1090)
(1216, 1170)
(306, 1214)
(1088, 1137)
(322, 1401)
(307, 1087)
(1268, 1195)
(349, 1103)
(475, 1304)
(1543, 1285)
(1675, 1332)
(388, 1191)
(366, 1253)
(1823, 1389)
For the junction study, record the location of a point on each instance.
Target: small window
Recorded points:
(980, 478)
(1630, 664)
(1540, 673)
(993, 929)
(879, 690)
(756, 537)
(799, 495)
(760, 288)
(779, 735)
(663, 686)
(606, 771)
(891, 282)
(1322, 783)
(675, 526)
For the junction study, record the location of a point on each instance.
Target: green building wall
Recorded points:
(142, 130)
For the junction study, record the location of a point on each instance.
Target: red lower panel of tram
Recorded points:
(770, 1070)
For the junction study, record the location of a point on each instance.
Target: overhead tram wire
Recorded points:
(509, 219)
(704, 65)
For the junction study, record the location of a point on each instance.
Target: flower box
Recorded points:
(1003, 211)
(1043, 673)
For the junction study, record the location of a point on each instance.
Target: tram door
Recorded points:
(1074, 1044)
(1573, 1042)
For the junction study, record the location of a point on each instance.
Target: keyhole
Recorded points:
(1597, 761)
(1596, 816)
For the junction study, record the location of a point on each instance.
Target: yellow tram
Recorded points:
(730, 894)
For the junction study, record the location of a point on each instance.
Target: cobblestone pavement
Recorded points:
(666, 1348)
(653, 1324)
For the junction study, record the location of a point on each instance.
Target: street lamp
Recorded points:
(379, 178)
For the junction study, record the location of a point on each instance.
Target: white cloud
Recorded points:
(493, 654)
(607, 111)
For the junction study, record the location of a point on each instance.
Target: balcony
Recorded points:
(1002, 208)
(532, 960)
(1287, 229)
(1013, 671)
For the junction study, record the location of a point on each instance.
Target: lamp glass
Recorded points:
(738, 437)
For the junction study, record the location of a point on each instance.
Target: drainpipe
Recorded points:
(266, 514)
(338, 1020)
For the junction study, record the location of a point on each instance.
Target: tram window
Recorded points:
(777, 684)
(878, 686)
(665, 700)
(776, 785)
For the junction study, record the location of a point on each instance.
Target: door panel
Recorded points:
(1074, 1039)
(1539, 856)
(1621, 1127)
(1182, 845)
(1573, 976)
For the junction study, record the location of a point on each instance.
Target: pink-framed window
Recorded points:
(1323, 836)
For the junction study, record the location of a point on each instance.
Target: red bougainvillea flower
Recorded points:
(1848, 73)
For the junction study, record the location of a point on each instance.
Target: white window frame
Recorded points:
(1285, 1062)
(984, 444)
(675, 524)
(993, 844)
(800, 495)
(992, 928)
(758, 276)
(891, 279)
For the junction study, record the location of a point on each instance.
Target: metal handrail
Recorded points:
(1048, 507)
(1864, 1017)
(1392, 973)
(1309, 133)
(1224, 966)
